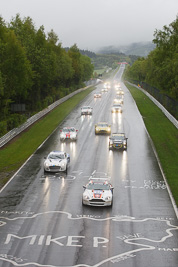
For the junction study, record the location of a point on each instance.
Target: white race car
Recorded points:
(86, 110)
(68, 133)
(57, 161)
(98, 192)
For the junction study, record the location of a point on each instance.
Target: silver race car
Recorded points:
(68, 133)
(57, 161)
(116, 108)
(98, 192)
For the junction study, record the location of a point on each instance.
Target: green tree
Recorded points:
(87, 68)
(15, 70)
(159, 69)
(75, 55)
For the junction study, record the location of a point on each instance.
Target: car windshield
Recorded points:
(98, 186)
(117, 106)
(118, 137)
(102, 124)
(56, 156)
(66, 130)
(86, 108)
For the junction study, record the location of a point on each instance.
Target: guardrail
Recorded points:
(170, 104)
(14, 132)
(167, 114)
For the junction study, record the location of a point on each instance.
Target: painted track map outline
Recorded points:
(127, 254)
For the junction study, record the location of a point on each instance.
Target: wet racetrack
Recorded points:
(43, 222)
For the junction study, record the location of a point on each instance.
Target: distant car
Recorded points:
(86, 110)
(57, 161)
(118, 99)
(102, 128)
(118, 141)
(98, 192)
(107, 85)
(104, 90)
(119, 92)
(69, 133)
(117, 85)
(97, 95)
(116, 108)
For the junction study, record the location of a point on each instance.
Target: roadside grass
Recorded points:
(163, 134)
(14, 154)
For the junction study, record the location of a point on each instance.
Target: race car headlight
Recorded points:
(108, 198)
(124, 142)
(111, 143)
(46, 164)
(62, 135)
(108, 129)
(62, 164)
(85, 196)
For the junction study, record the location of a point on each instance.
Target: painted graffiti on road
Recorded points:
(147, 184)
(137, 241)
(12, 258)
(122, 258)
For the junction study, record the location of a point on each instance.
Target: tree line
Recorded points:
(160, 67)
(35, 70)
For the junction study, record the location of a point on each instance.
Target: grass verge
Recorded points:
(163, 134)
(14, 154)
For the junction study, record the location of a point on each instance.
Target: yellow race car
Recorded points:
(102, 128)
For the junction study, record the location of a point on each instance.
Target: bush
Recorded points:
(15, 120)
(47, 101)
(3, 128)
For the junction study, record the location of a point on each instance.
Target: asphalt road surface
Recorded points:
(43, 222)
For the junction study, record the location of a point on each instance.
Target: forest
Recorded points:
(35, 70)
(160, 67)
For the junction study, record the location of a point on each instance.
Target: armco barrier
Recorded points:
(170, 104)
(167, 114)
(14, 132)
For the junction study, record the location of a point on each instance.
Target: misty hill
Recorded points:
(141, 49)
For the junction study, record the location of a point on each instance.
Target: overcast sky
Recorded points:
(95, 23)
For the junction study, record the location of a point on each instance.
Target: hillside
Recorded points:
(141, 49)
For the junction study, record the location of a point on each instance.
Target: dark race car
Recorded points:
(118, 141)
